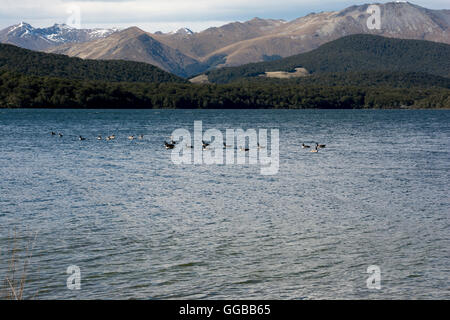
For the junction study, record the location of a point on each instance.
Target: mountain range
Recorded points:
(133, 44)
(26, 36)
(187, 53)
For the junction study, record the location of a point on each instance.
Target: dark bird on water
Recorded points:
(320, 146)
(169, 145)
(205, 144)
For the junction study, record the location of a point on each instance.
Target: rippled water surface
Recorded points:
(142, 227)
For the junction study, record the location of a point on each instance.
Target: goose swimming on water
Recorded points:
(205, 144)
(81, 138)
(304, 146)
(169, 145)
(320, 146)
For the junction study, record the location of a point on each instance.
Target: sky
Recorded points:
(167, 15)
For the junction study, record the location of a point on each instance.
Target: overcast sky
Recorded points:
(168, 15)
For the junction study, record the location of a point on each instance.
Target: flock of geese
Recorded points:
(99, 137)
(205, 145)
(316, 148)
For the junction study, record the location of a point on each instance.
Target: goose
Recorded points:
(81, 138)
(130, 137)
(141, 136)
(304, 146)
(100, 138)
(107, 138)
(320, 146)
(226, 145)
(244, 149)
(259, 147)
(60, 135)
(112, 137)
(205, 144)
(169, 145)
(189, 146)
(53, 133)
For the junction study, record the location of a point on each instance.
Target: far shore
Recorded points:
(99, 108)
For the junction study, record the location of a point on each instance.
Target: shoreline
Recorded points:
(273, 108)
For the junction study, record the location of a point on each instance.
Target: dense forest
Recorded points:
(18, 90)
(353, 53)
(363, 79)
(55, 65)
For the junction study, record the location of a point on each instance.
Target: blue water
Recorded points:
(139, 226)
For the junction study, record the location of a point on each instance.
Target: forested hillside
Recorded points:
(353, 54)
(53, 65)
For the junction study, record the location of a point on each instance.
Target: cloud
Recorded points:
(164, 14)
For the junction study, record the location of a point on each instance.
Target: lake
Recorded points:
(141, 227)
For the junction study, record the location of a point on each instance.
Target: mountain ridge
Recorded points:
(399, 20)
(132, 44)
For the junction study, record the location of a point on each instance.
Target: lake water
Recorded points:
(139, 226)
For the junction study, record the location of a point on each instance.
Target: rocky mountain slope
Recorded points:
(398, 20)
(199, 45)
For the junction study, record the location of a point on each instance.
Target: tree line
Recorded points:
(24, 91)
